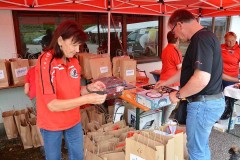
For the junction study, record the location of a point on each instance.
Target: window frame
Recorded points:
(78, 17)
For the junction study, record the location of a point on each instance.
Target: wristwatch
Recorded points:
(178, 95)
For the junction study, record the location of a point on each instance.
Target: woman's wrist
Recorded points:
(87, 88)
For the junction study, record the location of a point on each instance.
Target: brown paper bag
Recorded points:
(80, 59)
(128, 70)
(116, 65)
(35, 132)
(92, 135)
(91, 156)
(84, 119)
(100, 67)
(5, 73)
(93, 126)
(19, 69)
(95, 115)
(25, 134)
(117, 133)
(89, 145)
(128, 134)
(105, 147)
(9, 124)
(115, 126)
(114, 140)
(146, 149)
(98, 139)
(120, 146)
(6, 78)
(84, 63)
(32, 62)
(18, 116)
(114, 156)
(179, 147)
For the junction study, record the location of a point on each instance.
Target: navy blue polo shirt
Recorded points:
(204, 53)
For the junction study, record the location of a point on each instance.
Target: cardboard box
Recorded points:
(148, 120)
(153, 101)
(237, 120)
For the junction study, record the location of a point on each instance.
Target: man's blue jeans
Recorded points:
(53, 142)
(201, 116)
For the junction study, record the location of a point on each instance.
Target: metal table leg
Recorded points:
(230, 118)
(137, 118)
(163, 111)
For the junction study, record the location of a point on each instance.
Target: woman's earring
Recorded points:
(60, 46)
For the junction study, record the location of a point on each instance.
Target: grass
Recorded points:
(29, 31)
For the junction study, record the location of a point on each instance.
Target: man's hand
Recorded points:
(159, 84)
(173, 97)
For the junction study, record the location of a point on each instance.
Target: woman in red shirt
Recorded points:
(231, 59)
(60, 95)
(171, 64)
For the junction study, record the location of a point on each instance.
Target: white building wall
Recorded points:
(234, 26)
(8, 47)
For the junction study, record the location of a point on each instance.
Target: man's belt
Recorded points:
(205, 97)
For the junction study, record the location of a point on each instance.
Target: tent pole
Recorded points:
(109, 24)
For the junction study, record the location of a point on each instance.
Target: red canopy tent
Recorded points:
(200, 8)
(204, 8)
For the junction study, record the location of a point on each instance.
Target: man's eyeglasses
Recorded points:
(173, 28)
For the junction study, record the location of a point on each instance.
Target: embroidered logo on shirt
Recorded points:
(198, 62)
(73, 73)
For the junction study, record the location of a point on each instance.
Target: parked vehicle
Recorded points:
(143, 42)
(38, 39)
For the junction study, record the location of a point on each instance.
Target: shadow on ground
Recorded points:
(13, 150)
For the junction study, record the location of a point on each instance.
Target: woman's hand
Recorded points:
(94, 98)
(96, 86)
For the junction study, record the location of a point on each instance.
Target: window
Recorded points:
(218, 25)
(31, 29)
(207, 23)
(220, 28)
(142, 38)
(90, 26)
(139, 40)
(132, 36)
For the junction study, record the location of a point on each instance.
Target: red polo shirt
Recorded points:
(30, 78)
(231, 59)
(56, 80)
(171, 57)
